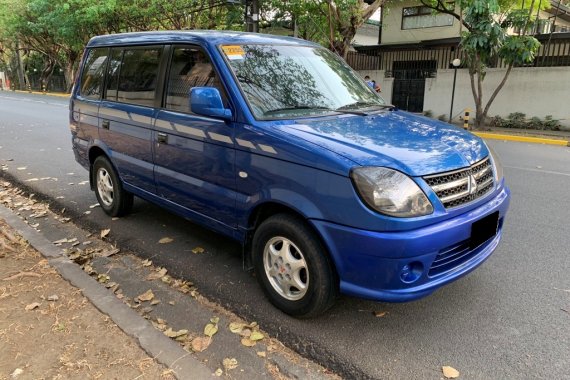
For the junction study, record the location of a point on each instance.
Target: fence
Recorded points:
(55, 84)
(554, 51)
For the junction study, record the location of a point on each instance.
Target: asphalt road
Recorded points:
(510, 319)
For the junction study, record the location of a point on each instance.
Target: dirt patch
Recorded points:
(48, 330)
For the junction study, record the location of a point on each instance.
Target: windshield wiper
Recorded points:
(364, 104)
(297, 107)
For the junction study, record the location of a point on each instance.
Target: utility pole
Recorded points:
(252, 16)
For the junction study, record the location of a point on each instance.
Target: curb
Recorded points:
(152, 341)
(535, 140)
(61, 95)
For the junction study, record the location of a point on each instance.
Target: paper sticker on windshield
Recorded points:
(233, 51)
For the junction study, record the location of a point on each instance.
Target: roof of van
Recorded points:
(212, 37)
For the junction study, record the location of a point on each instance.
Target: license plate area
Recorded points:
(484, 229)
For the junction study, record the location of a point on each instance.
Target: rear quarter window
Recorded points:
(94, 73)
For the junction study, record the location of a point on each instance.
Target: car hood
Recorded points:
(413, 144)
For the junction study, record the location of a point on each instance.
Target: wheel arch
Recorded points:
(95, 152)
(265, 210)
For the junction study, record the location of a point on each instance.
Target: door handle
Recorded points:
(105, 124)
(162, 138)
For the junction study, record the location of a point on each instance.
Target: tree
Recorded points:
(57, 29)
(329, 22)
(495, 29)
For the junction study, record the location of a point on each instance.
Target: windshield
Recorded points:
(281, 81)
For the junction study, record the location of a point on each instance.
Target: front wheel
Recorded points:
(292, 267)
(109, 190)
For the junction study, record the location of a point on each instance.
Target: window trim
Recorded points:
(419, 14)
(166, 78)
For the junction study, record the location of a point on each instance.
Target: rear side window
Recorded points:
(190, 67)
(138, 76)
(114, 69)
(93, 73)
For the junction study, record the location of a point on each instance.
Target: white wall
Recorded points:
(534, 91)
(392, 32)
(366, 35)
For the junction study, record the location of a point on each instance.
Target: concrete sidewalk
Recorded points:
(164, 315)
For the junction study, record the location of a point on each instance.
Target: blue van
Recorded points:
(277, 143)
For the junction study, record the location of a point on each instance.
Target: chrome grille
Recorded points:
(463, 186)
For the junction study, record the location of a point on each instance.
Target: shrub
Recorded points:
(518, 120)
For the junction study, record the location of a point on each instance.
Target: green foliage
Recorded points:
(331, 23)
(518, 120)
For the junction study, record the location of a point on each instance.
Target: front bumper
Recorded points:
(399, 266)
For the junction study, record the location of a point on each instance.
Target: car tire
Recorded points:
(293, 268)
(114, 200)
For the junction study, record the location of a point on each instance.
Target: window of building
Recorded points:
(190, 67)
(92, 77)
(424, 17)
(138, 76)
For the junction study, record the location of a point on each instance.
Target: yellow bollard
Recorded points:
(466, 118)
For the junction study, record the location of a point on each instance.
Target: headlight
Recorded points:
(498, 168)
(390, 192)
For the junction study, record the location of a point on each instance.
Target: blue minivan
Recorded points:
(279, 144)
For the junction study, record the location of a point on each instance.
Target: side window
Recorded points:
(93, 73)
(189, 67)
(113, 74)
(138, 76)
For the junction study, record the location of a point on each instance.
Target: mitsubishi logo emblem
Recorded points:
(472, 185)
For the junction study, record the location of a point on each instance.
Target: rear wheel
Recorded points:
(292, 267)
(109, 190)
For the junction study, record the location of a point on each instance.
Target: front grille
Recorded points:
(463, 186)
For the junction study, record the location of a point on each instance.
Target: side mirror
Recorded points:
(207, 101)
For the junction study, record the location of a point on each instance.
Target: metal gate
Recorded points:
(410, 82)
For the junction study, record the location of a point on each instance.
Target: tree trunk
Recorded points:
(46, 74)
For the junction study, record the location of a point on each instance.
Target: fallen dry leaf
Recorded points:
(210, 329)
(165, 240)
(109, 253)
(105, 232)
(230, 363)
(248, 342)
(198, 250)
(236, 327)
(159, 273)
(32, 306)
(201, 343)
(175, 334)
(450, 372)
(256, 335)
(146, 296)
(146, 263)
(262, 354)
(380, 314)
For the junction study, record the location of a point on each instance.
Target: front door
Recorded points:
(194, 155)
